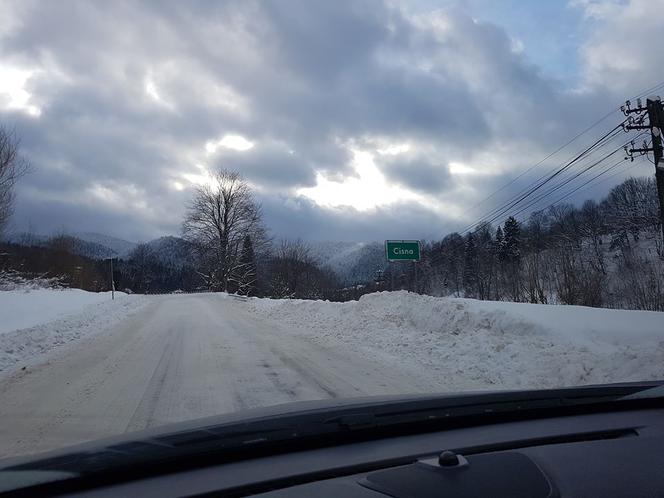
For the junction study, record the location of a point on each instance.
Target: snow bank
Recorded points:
(467, 344)
(21, 309)
(37, 321)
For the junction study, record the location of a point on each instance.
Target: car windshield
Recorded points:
(208, 207)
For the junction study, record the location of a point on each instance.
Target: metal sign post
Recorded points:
(403, 250)
(112, 280)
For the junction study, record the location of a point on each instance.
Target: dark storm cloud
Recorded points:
(273, 165)
(302, 218)
(130, 93)
(50, 217)
(417, 173)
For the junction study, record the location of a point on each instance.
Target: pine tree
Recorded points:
(512, 241)
(246, 270)
(512, 258)
(499, 245)
(470, 267)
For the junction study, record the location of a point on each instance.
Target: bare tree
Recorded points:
(294, 273)
(631, 207)
(218, 218)
(592, 226)
(12, 167)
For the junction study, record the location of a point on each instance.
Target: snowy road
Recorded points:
(181, 357)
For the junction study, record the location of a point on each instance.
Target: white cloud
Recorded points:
(154, 93)
(516, 45)
(13, 94)
(462, 169)
(622, 52)
(233, 142)
(365, 190)
(280, 97)
(598, 9)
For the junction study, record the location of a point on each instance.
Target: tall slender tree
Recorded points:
(470, 267)
(512, 257)
(244, 275)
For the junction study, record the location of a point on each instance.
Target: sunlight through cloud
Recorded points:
(13, 94)
(233, 142)
(368, 190)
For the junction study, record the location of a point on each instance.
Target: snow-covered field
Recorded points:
(469, 344)
(35, 321)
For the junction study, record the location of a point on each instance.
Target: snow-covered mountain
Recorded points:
(120, 247)
(91, 250)
(74, 244)
(173, 252)
(353, 262)
(370, 258)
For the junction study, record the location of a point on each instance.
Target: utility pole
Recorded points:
(656, 116)
(655, 112)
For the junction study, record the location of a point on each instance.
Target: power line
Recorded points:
(587, 182)
(437, 257)
(543, 180)
(569, 180)
(651, 89)
(591, 180)
(620, 171)
(577, 136)
(549, 175)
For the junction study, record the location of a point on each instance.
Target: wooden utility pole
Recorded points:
(656, 117)
(655, 111)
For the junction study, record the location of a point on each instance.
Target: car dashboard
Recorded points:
(607, 454)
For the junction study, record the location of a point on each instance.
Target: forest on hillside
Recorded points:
(604, 253)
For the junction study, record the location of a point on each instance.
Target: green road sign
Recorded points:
(402, 250)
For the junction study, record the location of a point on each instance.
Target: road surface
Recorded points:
(179, 358)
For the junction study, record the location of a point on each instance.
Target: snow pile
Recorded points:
(464, 344)
(36, 321)
(25, 308)
(15, 281)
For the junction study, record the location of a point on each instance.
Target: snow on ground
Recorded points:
(469, 344)
(36, 321)
(21, 309)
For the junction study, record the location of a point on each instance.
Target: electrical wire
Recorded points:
(566, 182)
(573, 177)
(577, 136)
(543, 180)
(587, 184)
(654, 88)
(550, 155)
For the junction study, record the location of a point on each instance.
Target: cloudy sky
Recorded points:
(352, 119)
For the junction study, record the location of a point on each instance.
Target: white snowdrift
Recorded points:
(463, 344)
(21, 309)
(37, 321)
